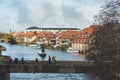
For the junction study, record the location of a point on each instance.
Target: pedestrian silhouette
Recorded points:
(10, 60)
(16, 60)
(49, 59)
(36, 60)
(22, 60)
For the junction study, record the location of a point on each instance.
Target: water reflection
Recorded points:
(49, 76)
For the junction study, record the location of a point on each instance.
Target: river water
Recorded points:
(31, 53)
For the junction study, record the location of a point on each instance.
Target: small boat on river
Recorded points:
(34, 46)
(42, 53)
(72, 50)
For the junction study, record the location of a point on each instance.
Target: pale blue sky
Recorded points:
(18, 15)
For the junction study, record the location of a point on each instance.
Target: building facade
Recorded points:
(53, 30)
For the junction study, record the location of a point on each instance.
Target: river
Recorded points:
(31, 53)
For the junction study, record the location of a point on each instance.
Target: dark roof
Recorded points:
(33, 27)
(60, 29)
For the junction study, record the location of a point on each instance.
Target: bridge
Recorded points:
(57, 67)
(44, 67)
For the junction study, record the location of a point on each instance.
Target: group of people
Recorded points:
(15, 60)
(50, 60)
(22, 60)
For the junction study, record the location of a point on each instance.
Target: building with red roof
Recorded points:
(81, 41)
(65, 38)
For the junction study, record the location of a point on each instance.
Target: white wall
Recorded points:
(80, 46)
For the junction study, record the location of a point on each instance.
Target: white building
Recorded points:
(32, 29)
(54, 30)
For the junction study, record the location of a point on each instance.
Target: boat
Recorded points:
(42, 55)
(73, 50)
(34, 46)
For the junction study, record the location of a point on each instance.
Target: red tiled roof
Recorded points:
(85, 33)
(69, 34)
(91, 29)
(18, 34)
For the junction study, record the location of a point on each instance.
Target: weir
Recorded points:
(44, 67)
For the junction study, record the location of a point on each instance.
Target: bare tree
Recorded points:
(109, 12)
(107, 38)
(105, 43)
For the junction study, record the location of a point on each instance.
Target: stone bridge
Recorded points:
(45, 67)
